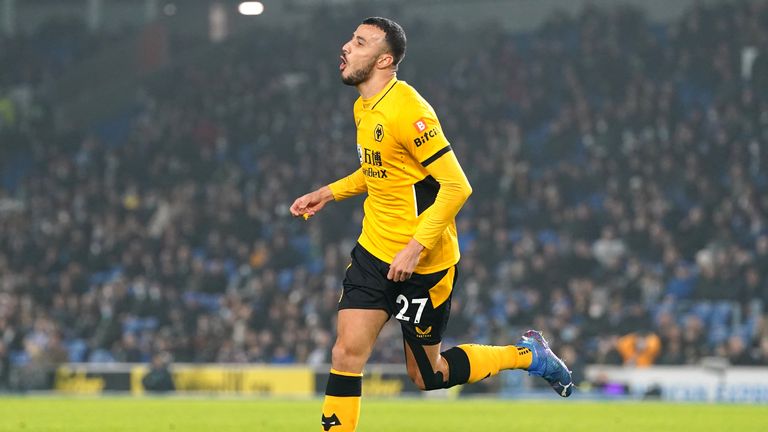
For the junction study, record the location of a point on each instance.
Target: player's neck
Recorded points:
(375, 84)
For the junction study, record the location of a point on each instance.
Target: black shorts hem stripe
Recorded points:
(381, 308)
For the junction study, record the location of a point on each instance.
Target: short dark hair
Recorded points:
(394, 36)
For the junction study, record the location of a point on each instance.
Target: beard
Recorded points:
(359, 76)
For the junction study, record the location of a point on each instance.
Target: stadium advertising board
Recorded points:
(245, 380)
(734, 385)
(80, 379)
(688, 384)
(229, 379)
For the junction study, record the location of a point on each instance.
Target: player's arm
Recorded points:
(311, 203)
(349, 186)
(453, 193)
(421, 135)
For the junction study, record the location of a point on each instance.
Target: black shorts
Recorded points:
(422, 303)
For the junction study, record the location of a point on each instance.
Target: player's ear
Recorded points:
(385, 60)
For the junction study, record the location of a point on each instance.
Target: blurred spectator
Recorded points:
(570, 356)
(5, 367)
(159, 378)
(639, 349)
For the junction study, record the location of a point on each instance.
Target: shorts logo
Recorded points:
(423, 333)
(420, 125)
(378, 133)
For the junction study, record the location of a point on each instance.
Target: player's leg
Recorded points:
(431, 369)
(356, 333)
(364, 308)
(357, 330)
(425, 361)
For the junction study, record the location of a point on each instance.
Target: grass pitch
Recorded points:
(51, 414)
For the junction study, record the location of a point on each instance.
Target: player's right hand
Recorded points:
(311, 203)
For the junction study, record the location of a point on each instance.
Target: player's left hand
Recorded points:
(405, 262)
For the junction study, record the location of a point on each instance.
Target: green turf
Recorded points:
(379, 415)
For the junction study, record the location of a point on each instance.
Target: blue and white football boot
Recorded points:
(546, 364)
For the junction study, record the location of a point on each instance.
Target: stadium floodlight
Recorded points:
(251, 8)
(170, 9)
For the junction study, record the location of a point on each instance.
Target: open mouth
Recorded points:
(343, 63)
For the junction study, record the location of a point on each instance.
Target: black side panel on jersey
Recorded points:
(426, 192)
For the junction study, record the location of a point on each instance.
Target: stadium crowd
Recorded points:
(621, 199)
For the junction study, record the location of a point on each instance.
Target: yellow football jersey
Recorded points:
(415, 184)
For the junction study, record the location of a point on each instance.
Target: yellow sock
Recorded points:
(341, 407)
(487, 360)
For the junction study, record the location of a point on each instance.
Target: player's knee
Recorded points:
(344, 356)
(432, 382)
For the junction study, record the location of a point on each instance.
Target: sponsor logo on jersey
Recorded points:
(427, 135)
(371, 157)
(378, 133)
(420, 125)
(375, 173)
